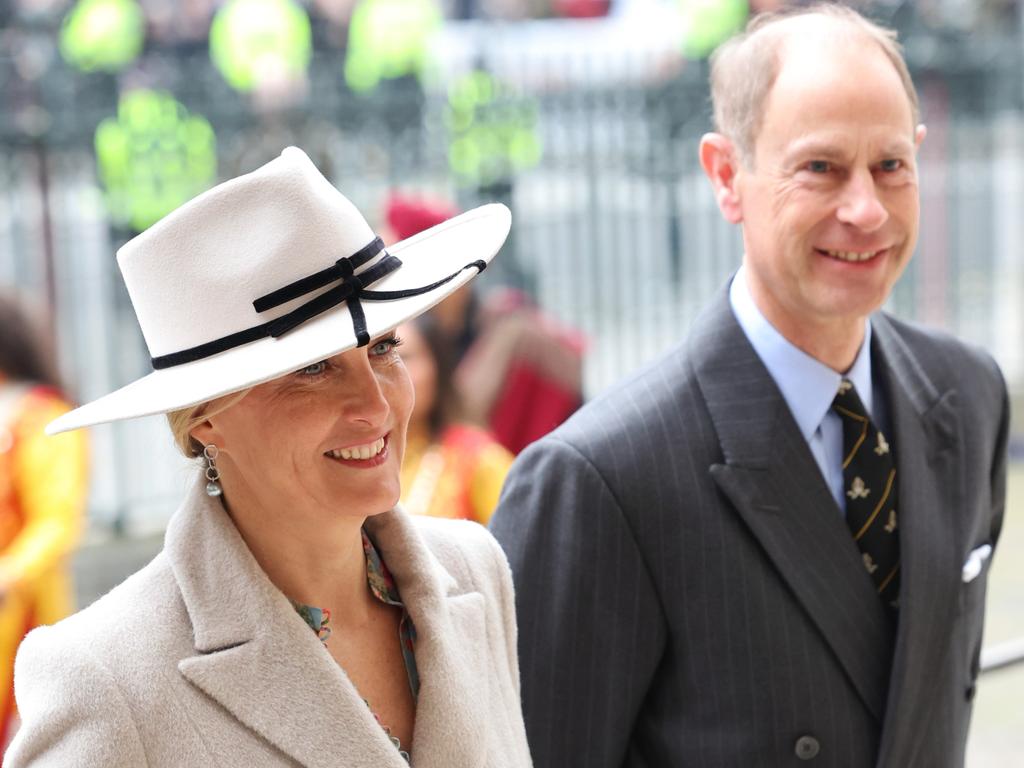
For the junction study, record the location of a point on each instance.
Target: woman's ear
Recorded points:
(719, 160)
(205, 433)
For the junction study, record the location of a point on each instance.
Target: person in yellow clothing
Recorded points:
(451, 467)
(43, 482)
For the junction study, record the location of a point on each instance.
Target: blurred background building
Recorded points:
(582, 115)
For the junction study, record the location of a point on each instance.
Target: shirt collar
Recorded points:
(808, 386)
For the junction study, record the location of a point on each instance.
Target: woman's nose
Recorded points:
(364, 399)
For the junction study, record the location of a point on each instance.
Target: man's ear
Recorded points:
(919, 133)
(718, 158)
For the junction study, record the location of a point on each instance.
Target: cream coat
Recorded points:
(198, 660)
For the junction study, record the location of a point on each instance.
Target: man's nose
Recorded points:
(860, 206)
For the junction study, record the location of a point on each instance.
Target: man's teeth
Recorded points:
(359, 452)
(851, 255)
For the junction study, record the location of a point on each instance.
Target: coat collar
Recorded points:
(774, 483)
(258, 659)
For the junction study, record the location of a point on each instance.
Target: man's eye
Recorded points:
(315, 369)
(891, 165)
(819, 166)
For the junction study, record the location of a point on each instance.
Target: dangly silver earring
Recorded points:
(210, 453)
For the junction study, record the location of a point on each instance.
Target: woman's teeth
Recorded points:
(359, 452)
(852, 255)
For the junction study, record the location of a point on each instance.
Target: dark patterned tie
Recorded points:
(869, 481)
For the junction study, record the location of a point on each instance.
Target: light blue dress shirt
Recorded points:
(807, 385)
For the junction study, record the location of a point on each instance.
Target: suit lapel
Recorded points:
(774, 483)
(257, 658)
(926, 427)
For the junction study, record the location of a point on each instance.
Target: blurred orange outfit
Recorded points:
(459, 476)
(43, 486)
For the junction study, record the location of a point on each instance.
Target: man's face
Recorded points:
(829, 201)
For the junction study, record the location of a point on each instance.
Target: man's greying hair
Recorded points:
(744, 69)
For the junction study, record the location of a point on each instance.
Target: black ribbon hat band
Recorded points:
(352, 289)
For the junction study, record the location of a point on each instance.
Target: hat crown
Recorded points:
(193, 276)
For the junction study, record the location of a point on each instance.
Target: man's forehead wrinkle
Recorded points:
(821, 148)
(901, 146)
(835, 147)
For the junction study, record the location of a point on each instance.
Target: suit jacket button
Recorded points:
(969, 693)
(807, 748)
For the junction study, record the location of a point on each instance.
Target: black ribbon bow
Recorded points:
(352, 288)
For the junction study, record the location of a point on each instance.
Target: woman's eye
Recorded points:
(384, 346)
(315, 369)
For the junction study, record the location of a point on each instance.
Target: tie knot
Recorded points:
(847, 402)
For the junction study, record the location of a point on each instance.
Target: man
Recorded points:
(771, 547)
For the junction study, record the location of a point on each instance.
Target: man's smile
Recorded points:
(852, 257)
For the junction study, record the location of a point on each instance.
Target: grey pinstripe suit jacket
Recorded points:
(689, 595)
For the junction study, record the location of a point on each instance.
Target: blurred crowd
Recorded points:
(187, 22)
(365, 31)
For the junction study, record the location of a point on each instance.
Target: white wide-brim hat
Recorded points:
(268, 273)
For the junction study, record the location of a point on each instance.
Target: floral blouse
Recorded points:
(383, 587)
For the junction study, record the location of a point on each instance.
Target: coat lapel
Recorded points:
(451, 636)
(257, 658)
(774, 483)
(926, 427)
(299, 701)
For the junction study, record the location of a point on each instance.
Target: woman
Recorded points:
(294, 617)
(43, 485)
(451, 468)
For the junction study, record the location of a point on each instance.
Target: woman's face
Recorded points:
(327, 438)
(419, 361)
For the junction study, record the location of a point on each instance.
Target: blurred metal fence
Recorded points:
(615, 231)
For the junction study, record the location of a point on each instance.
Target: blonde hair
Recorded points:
(183, 421)
(744, 69)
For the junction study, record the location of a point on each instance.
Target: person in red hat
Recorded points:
(518, 372)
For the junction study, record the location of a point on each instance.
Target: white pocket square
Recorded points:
(975, 562)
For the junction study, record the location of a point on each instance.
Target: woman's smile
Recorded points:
(363, 456)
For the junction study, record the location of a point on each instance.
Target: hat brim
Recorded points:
(426, 258)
